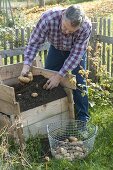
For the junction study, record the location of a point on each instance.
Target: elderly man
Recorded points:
(68, 32)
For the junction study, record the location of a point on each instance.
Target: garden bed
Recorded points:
(34, 113)
(23, 93)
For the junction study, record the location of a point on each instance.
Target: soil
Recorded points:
(26, 101)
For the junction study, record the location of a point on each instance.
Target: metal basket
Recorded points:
(72, 139)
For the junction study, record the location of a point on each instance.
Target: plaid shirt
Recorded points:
(49, 28)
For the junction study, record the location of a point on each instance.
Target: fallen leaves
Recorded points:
(100, 8)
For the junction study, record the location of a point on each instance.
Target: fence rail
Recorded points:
(13, 42)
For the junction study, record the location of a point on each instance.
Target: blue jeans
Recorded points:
(54, 61)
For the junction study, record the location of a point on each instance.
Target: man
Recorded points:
(68, 32)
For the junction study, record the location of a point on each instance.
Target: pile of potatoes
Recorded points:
(70, 149)
(27, 79)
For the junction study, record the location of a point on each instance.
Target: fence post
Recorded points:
(1, 61)
(41, 3)
(93, 42)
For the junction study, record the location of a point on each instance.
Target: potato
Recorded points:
(73, 139)
(66, 140)
(30, 76)
(79, 149)
(23, 79)
(46, 158)
(27, 79)
(58, 156)
(34, 94)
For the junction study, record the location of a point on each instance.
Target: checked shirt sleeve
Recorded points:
(76, 52)
(37, 38)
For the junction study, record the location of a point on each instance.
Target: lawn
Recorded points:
(100, 158)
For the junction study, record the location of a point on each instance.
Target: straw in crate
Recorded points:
(71, 139)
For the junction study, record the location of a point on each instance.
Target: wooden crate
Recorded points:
(33, 120)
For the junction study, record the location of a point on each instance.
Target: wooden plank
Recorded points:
(10, 71)
(43, 112)
(41, 127)
(6, 107)
(20, 50)
(14, 52)
(45, 56)
(22, 41)
(100, 26)
(108, 49)
(10, 81)
(5, 47)
(70, 103)
(7, 93)
(19, 128)
(17, 42)
(28, 33)
(93, 42)
(104, 44)
(104, 39)
(92, 19)
(112, 62)
(94, 30)
(11, 47)
(1, 62)
(39, 61)
(95, 19)
(100, 33)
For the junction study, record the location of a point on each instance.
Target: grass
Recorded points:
(100, 158)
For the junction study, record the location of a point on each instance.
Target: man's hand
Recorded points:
(53, 82)
(25, 70)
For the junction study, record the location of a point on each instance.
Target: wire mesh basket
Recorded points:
(71, 139)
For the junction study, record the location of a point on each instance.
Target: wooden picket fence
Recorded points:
(12, 43)
(104, 34)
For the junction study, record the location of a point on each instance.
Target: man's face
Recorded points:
(67, 28)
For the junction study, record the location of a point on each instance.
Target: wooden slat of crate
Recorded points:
(10, 71)
(14, 70)
(41, 127)
(43, 112)
(6, 107)
(7, 93)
